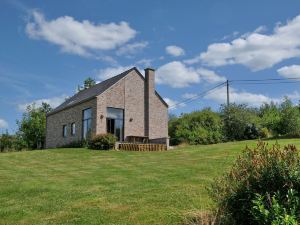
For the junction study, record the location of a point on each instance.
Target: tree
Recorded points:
(87, 83)
(290, 118)
(270, 117)
(6, 141)
(199, 127)
(32, 126)
(239, 121)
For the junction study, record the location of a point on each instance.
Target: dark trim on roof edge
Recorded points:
(87, 99)
(70, 106)
(161, 99)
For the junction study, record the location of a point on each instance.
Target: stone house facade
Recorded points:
(125, 105)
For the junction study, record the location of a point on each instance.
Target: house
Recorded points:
(125, 105)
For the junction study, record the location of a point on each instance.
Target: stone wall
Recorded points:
(127, 94)
(156, 112)
(55, 122)
(158, 120)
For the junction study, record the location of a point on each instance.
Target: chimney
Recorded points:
(149, 94)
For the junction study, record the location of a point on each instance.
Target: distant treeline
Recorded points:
(31, 132)
(236, 122)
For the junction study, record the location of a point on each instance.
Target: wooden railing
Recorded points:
(142, 147)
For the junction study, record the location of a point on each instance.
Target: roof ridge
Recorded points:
(91, 92)
(113, 77)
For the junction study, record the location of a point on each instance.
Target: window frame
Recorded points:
(73, 131)
(65, 130)
(86, 121)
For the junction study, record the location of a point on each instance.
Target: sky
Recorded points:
(47, 48)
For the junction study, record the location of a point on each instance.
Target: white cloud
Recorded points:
(173, 104)
(260, 29)
(174, 50)
(53, 102)
(104, 74)
(77, 37)
(295, 96)
(170, 102)
(131, 49)
(177, 75)
(230, 36)
(145, 62)
(188, 95)
(255, 50)
(292, 71)
(3, 123)
(210, 76)
(252, 99)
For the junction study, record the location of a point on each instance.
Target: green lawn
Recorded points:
(79, 186)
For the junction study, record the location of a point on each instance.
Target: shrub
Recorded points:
(251, 131)
(263, 170)
(199, 127)
(237, 119)
(270, 117)
(290, 119)
(278, 209)
(102, 142)
(75, 144)
(173, 126)
(19, 144)
(264, 133)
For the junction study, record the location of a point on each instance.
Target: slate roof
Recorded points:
(96, 90)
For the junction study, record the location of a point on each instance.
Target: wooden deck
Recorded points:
(142, 147)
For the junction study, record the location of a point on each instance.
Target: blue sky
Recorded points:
(49, 47)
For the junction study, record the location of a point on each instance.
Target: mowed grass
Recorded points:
(80, 186)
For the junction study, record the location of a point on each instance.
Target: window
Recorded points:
(115, 122)
(86, 122)
(73, 129)
(65, 131)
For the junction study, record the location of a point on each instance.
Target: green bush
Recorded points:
(251, 132)
(102, 142)
(75, 144)
(290, 119)
(278, 209)
(240, 121)
(262, 170)
(236, 122)
(270, 117)
(264, 133)
(6, 142)
(199, 127)
(19, 144)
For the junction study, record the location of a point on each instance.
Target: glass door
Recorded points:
(115, 122)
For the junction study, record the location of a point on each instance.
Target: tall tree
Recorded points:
(87, 83)
(32, 126)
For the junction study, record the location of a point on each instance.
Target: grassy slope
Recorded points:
(77, 186)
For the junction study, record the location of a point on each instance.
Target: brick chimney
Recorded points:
(149, 97)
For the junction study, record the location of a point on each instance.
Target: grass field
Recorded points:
(79, 186)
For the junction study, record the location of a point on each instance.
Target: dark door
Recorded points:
(119, 129)
(115, 123)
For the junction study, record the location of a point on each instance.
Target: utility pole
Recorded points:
(227, 85)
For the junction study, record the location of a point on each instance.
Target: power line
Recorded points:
(281, 82)
(267, 79)
(288, 80)
(202, 94)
